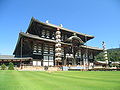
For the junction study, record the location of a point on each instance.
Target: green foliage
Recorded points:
(100, 57)
(11, 66)
(113, 55)
(3, 67)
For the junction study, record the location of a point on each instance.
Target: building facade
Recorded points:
(51, 45)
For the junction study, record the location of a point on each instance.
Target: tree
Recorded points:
(100, 57)
(113, 55)
(3, 67)
(11, 66)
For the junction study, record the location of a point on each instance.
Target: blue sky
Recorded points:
(100, 18)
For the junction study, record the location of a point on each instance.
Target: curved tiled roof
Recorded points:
(55, 26)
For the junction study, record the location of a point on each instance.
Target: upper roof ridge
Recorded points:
(57, 26)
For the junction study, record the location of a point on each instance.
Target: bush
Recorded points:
(3, 67)
(11, 66)
(45, 67)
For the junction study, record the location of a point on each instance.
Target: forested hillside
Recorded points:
(113, 55)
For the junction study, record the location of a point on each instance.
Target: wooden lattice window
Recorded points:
(35, 48)
(51, 58)
(51, 49)
(43, 33)
(47, 34)
(53, 35)
(40, 48)
(46, 49)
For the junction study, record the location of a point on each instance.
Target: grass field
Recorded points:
(68, 80)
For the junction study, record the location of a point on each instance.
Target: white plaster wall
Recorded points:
(46, 63)
(34, 63)
(39, 63)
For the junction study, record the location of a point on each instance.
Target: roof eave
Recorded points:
(17, 43)
(94, 48)
(55, 26)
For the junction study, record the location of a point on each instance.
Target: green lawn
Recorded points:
(68, 80)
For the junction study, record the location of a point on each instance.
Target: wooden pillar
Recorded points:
(74, 59)
(42, 54)
(21, 46)
(48, 60)
(54, 55)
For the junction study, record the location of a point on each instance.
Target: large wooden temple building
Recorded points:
(51, 45)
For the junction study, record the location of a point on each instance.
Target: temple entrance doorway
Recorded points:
(70, 61)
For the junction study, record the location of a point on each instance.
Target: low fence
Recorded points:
(103, 69)
(73, 68)
(38, 68)
(63, 68)
(54, 68)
